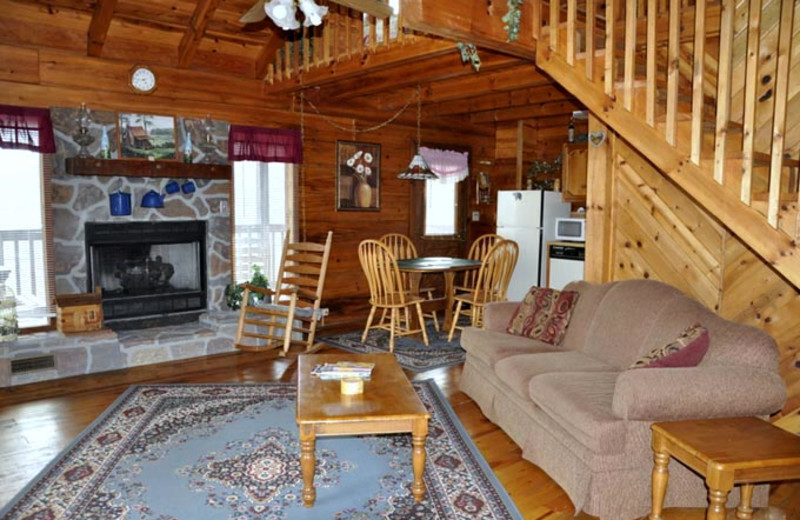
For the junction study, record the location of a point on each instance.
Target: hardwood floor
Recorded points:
(37, 421)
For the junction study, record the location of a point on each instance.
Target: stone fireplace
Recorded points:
(81, 208)
(81, 216)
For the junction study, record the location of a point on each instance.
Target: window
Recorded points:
(441, 208)
(22, 230)
(264, 203)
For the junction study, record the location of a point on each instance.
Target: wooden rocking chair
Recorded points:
(291, 311)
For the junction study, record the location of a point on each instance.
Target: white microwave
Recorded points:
(571, 229)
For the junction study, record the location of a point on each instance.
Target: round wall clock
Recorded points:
(143, 80)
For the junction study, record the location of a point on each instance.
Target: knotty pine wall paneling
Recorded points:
(659, 232)
(48, 77)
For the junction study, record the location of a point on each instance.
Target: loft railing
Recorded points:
(698, 73)
(344, 33)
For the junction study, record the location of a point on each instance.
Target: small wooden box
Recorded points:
(80, 312)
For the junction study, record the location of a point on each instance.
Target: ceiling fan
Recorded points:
(282, 11)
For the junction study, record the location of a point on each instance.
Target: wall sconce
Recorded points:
(82, 137)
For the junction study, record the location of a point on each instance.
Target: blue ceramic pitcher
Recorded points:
(119, 203)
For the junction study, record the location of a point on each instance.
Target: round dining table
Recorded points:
(446, 265)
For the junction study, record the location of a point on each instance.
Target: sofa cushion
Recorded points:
(517, 371)
(543, 314)
(633, 317)
(591, 297)
(581, 403)
(687, 350)
(491, 346)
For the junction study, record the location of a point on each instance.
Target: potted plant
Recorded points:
(234, 292)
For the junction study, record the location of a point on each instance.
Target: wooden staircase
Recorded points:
(702, 89)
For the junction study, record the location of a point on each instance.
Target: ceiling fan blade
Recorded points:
(255, 13)
(372, 7)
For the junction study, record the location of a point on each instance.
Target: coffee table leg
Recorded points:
(660, 476)
(720, 483)
(418, 436)
(307, 462)
(745, 510)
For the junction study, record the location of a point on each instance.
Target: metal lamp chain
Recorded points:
(419, 117)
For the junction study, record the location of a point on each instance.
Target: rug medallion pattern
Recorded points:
(170, 452)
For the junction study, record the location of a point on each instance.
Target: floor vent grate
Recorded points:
(33, 363)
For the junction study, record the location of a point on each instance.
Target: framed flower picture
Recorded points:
(358, 175)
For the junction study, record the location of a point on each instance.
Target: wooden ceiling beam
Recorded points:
(98, 27)
(527, 112)
(365, 63)
(501, 100)
(446, 66)
(371, 7)
(468, 86)
(476, 21)
(196, 30)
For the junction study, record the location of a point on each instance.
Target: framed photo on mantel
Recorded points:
(358, 176)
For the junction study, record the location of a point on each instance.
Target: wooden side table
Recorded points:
(737, 451)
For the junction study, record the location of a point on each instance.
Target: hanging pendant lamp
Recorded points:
(418, 169)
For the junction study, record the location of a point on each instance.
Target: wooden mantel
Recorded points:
(140, 168)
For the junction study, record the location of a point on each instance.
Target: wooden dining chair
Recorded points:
(388, 293)
(491, 284)
(402, 248)
(477, 251)
(290, 312)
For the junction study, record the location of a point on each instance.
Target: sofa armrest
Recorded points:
(496, 315)
(670, 394)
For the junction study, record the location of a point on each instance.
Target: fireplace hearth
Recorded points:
(150, 272)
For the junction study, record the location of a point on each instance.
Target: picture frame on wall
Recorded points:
(147, 136)
(358, 174)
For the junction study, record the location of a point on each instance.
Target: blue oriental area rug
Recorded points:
(411, 354)
(197, 452)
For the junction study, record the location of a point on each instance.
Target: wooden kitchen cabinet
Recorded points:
(574, 161)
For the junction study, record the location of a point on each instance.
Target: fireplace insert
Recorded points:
(147, 269)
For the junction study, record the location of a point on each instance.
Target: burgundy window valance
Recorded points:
(252, 143)
(23, 128)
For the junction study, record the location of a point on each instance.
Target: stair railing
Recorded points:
(726, 113)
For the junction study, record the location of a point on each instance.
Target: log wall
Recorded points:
(659, 232)
(43, 78)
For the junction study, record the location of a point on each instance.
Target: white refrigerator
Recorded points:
(528, 218)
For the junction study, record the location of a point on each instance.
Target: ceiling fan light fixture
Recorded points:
(313, 12)
(283, 13)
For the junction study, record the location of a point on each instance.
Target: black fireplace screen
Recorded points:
(147, 268)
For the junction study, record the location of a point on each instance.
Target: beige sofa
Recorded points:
(584, 418)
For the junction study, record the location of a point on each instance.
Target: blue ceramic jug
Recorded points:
(119, 203)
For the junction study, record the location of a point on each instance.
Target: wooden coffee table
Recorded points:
(389, 404)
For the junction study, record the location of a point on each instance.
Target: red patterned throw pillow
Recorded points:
(687, 350)
(543, 314)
